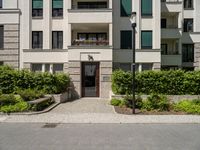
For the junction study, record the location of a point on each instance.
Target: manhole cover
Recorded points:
(50, 125)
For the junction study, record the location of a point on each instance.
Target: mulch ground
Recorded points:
(128, 111)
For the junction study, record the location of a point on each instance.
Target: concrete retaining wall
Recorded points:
(173, 98)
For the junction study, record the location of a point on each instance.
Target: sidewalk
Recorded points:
(99, 118)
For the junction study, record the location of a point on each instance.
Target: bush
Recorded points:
(18, 107)
(190, 107)
(7, 99)
(12, 80)
(115, 102)
(162, 82)
(128, 99)
(29, 94)
(156, 102)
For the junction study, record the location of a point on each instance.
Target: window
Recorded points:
(57, 6)
(146, 39)
(188, 52)
(37, 8)
(1, 3)
(147, 66)
(36, 67)
(1, 37)
(126, 39)
(146, 7)
(57, 40)
(37, 39)
(92, 5)
(1, 63)
(125, 66)
(126, 8)
(188, 4)
(188, 25)
(164, 49)
(163, 23)
(57, 68)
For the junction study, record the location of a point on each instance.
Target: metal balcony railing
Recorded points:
(89, 6)
(171, 1)
(90, 42)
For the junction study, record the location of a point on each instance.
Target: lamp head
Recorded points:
(133, 19)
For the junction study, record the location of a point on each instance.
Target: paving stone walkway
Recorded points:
(85, 105)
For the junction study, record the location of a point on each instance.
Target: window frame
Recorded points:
(146, 14)
(2, 37)
(186, 54)
(38, 45)
(147, 47)
(37, 12)
(59, 44)
(130, 45)
(57, 12)
(1, 4)
(121, 12)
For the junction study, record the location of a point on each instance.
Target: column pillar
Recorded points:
(110, 34)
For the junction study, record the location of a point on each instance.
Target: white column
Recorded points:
(110, 34)
(69, 35)
(47, 13)
(140, 68)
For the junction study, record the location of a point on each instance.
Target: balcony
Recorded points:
(90, 12)
(91, 35)
(171, 5)
(171, 60)
(171, 33)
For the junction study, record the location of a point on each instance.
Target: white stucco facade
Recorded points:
(107, 22)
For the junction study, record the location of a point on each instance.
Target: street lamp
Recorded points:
(133, 23)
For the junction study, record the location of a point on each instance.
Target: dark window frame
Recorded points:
(92, 5)
(147, 14)
(147, 47)
(57, 12)
(129, 45)
(37, 12)
(39, 42)
(164, 52)
(1, 4)
(163, 23)
(186, 55)
(188, 6)
(89, 33)
(186, 27)
(59, 44)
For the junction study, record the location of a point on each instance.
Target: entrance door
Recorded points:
(90, 79)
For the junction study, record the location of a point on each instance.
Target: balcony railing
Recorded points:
(90, 42)
(171, 1)
(89, 7)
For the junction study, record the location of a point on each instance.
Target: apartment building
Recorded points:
(90, 38)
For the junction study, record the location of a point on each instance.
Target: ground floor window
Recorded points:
(169, 68)
(52, 68)
(1, 63)
(138, 66)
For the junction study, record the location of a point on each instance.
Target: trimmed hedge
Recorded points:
(12, 80)
(176, 82)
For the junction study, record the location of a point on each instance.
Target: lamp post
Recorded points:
(133, 23)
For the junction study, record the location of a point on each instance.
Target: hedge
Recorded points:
(12, 80)
(176, 82)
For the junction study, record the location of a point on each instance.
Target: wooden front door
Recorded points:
(90, 79)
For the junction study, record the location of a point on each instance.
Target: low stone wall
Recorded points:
(173, 98)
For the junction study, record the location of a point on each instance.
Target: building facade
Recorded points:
(90, 38)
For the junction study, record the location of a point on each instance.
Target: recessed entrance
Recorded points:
(90, 79)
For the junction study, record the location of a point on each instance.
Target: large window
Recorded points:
(37, 39)
(146, 40)
(126, 8)
(163, 23)
(146, 7)
(126, 39)
(164, 49)
(188, 25)
(1, 37)
(37, 8)
(188, 4)
(1, 3)
(52, 68)
(188, 52)
(57, 39)
(57, 6)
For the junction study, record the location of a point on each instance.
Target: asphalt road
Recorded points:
(100, 137)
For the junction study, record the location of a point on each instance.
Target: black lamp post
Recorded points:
(133, 23)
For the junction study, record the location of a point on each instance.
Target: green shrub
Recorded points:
(115, 102)
(29, 94)
(41, 106)
(128, 99)
(7, 99)
(156, 102)
(18, 107)
(12, 80)
(162, 82)
(190, 107)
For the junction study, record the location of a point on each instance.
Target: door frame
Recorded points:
(97, 78)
